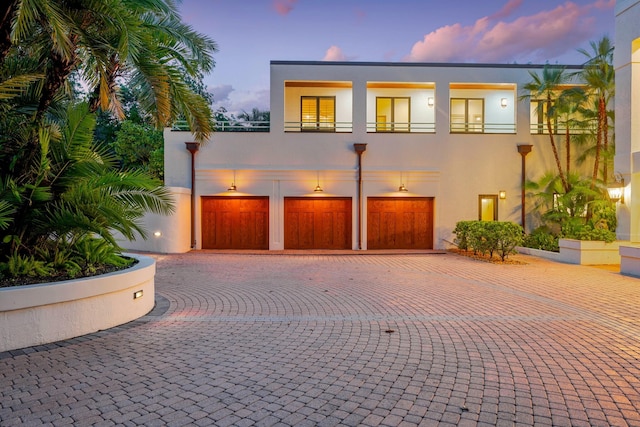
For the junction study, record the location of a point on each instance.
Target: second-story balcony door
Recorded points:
(318, 113)
(392, 114)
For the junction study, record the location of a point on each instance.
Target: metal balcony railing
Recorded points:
(248, 126)
(401, 127)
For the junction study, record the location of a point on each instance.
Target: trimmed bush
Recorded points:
(488, 237)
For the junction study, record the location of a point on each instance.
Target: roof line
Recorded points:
(425, 64)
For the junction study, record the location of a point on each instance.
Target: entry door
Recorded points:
(400, 223)
(317, 223)
(235, 222)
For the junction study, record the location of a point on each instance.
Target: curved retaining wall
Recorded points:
(48, 312)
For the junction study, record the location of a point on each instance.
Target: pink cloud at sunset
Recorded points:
(283, 7)
(536, 37)
(334, 53)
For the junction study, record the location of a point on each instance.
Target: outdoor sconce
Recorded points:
(318, 189)
(232, 187)
(502, 194)
(430, 101)
(137, 294)
(402, 188)
(503, 102)
(157, 234)
(616, 190)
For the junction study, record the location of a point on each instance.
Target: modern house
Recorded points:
(365, 156)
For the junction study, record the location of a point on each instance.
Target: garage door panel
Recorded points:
(317, 223)
(399, 223)
(235, 222)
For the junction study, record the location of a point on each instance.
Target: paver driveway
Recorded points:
(348, 340)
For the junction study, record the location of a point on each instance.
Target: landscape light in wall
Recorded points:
(503, 102)
(616, 189)
(430, 101)
(502, 194)
(138, 294)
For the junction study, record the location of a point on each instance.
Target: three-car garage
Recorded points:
(242, 222)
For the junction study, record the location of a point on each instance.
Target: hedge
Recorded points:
(488, 237)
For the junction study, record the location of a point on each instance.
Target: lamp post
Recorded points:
(523, 149)
(193, 148)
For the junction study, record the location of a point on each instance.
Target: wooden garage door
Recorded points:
(317, 223)
(400, 223)
(235, 223)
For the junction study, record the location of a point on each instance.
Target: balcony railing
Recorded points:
(537, 128)
(248, 126)
(401, 127)
(475, 127)
(318, 126)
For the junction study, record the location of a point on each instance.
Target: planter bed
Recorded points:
(43, 313)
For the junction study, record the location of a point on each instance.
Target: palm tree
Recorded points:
(547, 87)
(145, 42)
(599, 75)
(77, 192)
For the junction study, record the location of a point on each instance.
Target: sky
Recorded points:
(251, 33)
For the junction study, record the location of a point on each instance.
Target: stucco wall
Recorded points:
(44, 313)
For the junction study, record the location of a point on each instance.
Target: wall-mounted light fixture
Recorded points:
(503, 102)
(157, 233)
(502, 194)
(402, 188)
(616, 189)
(137, 294)
(430, 101)
(233, 187)
(318, 189)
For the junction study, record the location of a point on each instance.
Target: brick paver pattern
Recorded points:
(348, 340)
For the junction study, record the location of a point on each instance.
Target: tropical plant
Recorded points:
(547, 87)
(78, 194)
(599, 76)
(62, 197)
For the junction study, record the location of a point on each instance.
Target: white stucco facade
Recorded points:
(627, 110)
(452, 169)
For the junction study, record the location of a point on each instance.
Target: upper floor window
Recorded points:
(318, 113)
(562, 113)
(467, 115)
(393, 114)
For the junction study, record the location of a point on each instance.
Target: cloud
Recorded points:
(507, 10)
(534, 38)
(334, 53)
(221, 93)
(283, 7)
(237, 101)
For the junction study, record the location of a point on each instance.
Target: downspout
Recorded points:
(360, 148)
(523, 149)
(193, 148)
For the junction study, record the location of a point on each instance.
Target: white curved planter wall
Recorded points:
(48, 312)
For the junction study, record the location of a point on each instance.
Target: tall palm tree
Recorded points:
(599, 75)
(547, 87)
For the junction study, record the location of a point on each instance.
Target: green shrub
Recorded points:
(541, 238)
(488, 237)
(462, 232)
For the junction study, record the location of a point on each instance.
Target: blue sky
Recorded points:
(251, 33)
